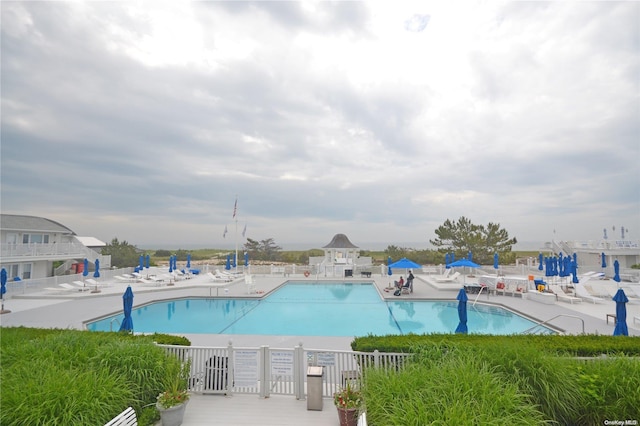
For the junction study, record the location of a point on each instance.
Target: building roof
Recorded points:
(14, 222)
(340, 241)
(91, 242)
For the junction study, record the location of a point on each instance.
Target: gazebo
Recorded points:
(341, 259)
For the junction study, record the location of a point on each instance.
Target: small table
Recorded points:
(365, 274)
(611, 316)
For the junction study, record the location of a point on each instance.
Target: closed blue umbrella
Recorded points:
(470, 256)
(621, 313)
(85, 267)
(3, 287)
(603, 260)
(3, 282)
(389, 271)
(462, 311)
(246, 258)
(574, 271)
(496, 260)
(147, 261)
(447, 260)
(127, 302)
(235, 261)
(141, 262)
(616, 271)
(540, 260)
(170, 264)
(189, 260)
(96, 273)
(228, 265)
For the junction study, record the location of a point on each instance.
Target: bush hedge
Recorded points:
(553, 383)
(71, 377)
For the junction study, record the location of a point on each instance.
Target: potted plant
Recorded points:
(173, 401)
(348, 401)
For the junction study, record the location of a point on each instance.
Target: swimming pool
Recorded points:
(318, 309)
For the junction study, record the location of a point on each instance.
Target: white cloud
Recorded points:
(374, 119)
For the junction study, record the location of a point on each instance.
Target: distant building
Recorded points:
(589, 256)
(341, 259)
(30, 245)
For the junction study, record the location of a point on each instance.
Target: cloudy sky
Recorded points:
(380, 120)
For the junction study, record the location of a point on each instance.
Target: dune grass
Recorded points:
(71, 377)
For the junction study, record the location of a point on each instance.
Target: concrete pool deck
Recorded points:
(70, 309)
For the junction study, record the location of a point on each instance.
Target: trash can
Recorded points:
(348, 272)
(314, 388)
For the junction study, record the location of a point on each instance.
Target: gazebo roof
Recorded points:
(340, 241)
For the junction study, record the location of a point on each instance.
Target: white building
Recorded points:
(31, 245)
(589, 256)
(341, 259)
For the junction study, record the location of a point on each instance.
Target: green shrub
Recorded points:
(72, 377)
(460, 390)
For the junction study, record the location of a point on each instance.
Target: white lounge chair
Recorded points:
(125, 278)
(562, 296)
(598, 290)
(449, 279)
(81, 285)
(582, 293)
(218, 278)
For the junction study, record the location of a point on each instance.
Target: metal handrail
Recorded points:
(479, 293)
(111, 323)
(551, 319)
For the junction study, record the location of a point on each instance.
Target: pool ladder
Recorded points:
(111, 324)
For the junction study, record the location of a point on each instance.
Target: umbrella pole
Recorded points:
(4, 311)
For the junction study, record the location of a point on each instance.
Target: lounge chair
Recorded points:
(582, 293)
(218, 278)
(612, 290)
(60, 289)
(80, 285)
(562, 296)
(599, 290)
(71, 287)
(594, 274)
(154, 283)
(633, 290)
(124, 278)
(449, 279)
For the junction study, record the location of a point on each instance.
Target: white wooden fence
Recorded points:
(265, 371)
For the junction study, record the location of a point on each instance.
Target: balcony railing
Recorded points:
(36, 250)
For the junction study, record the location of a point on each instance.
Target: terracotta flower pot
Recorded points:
(348, 416)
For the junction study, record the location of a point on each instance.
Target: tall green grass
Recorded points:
(70, 377)
(460, 390)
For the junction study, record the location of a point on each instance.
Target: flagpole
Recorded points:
(236, 218)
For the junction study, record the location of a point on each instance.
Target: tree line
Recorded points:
(458, 237)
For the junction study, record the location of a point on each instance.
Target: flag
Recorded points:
(235, 208)
(224, 234)
(244, 231)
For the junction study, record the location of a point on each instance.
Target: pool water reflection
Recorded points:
(303, 309)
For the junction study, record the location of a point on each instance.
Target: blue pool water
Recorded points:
(302, 309)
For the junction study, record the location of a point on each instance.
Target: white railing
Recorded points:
(265, 371)
(38, 284)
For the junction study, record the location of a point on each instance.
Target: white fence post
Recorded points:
(265, 372)
(230, 379)
(299, 371)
